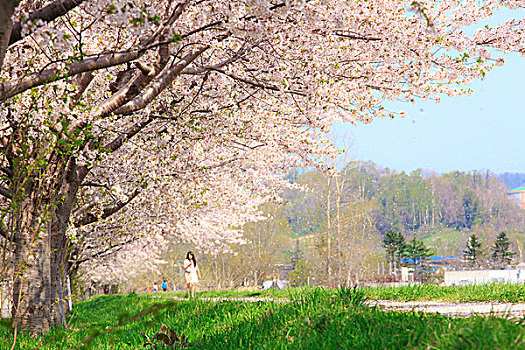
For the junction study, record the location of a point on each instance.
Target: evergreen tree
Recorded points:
(501, 254)
(417, 255)
(416, 252)
(394, 244)
(473, 250)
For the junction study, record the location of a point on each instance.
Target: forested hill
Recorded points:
(512, 180)
(403, 202)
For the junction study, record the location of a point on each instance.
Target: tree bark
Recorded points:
(40, 254)
(7, 9)
(32, 292)
(47, 13)
(67, 192)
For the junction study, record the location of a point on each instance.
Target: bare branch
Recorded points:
(204, 69)
(85, 208)
(47, 13)
(120, 97)
(145, 68)
(262, 144)
(93, 184)
(202, 29)
(136, 83)
(356, 36)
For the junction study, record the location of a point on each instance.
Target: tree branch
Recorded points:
(6, 171)
(47, 13)
(136, 83)
(202, 29)
(104, 252)
(159, 84)
(10, 89)
(7, 9)
(257, 84)
(83, 82)
(4, 233)
(107, 211)
(5, 192)
(118, 141)
(204, 69)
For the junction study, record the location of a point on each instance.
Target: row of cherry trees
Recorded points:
(128, 124)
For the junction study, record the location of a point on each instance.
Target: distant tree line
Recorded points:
(407, 202)
(512, 180)
(415, 254)
(337, 230)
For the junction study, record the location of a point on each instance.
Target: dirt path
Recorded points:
(454, 309)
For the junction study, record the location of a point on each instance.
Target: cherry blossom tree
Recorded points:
(180, 116)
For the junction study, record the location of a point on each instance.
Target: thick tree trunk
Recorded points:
(40, 254)
(67, 190)
(32, 292)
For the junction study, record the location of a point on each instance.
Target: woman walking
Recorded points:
(191, 274)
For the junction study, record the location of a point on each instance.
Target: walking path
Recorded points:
(455, 309)
(248, 299)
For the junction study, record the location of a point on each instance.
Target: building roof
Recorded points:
(517, 189)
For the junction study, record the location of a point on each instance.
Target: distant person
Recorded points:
(164, 286)
(191, 274)
(155, 287)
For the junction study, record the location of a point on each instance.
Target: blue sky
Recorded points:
(483, 131)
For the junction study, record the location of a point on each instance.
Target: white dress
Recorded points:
(190, 273)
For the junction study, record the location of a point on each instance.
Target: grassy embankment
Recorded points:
(312, 319)
(443, 241)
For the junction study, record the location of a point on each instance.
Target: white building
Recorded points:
(466, 278)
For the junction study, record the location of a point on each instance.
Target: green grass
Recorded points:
(505, 293)
(231, 293)
(312, 319)
(443, 240)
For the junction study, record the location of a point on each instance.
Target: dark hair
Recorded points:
(192, 258)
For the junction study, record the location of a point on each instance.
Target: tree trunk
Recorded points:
(328, 235)
(67, 192)
(32, 292)
(7, 9)
(40, 253)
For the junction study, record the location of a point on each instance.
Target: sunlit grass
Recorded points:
(312, 318)
(500, 292)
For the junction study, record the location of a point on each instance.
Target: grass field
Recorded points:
(505, 293)
(311, 318)
(444, 240)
